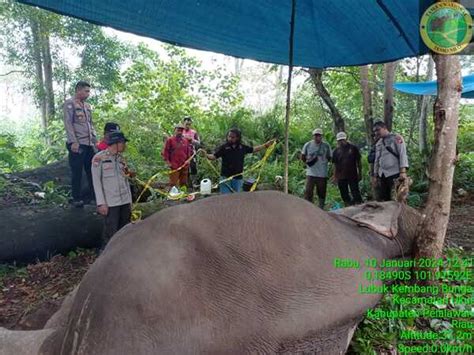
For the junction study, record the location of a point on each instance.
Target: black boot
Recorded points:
(321, 204)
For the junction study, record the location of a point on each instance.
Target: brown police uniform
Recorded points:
(112, 188)
(80, 130)
(390, 157)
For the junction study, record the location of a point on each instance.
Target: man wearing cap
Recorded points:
(109, 128)
(391, 160)
(176, 153)
(81, 139)
(316, 154)
(347, 169)
(112, 189)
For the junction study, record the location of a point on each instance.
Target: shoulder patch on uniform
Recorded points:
(398, 139)
(97, 158)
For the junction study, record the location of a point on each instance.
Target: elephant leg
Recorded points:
(329, 342)
(59, 319)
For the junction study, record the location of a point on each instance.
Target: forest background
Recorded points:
(148, 91)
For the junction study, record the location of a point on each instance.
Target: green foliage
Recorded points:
(152, 92)
(8, 154)
(101, 56)
(375, 336)
(11, 270)
(465, 171)
(54, 194)
(466, 129)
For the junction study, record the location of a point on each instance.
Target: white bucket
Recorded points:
(206, 186)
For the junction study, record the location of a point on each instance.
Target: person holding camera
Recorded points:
(316, 154)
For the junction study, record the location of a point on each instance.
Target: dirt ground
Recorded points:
(461, 223)
(28, 296)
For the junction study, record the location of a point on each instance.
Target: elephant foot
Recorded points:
(328, 342)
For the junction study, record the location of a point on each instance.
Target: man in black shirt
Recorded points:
(348, 169)
(232, 153)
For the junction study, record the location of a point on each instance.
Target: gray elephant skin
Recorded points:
(242, 273)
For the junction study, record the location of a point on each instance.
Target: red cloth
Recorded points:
(102, 145)
(176, 151)
(190, 134)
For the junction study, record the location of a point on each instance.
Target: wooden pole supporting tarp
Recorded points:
(288, 91)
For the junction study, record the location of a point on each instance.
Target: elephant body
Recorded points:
(248, 272)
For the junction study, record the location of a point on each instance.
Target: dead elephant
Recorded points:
(242, 273)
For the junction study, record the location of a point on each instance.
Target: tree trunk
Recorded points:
(423, 144)
(30, 233)
(40, 90)
(316, 77)
(48, 75)
(375, 92)
(389, 77)
(278, 85)
(367, 103)
(238, 64)
(432, 231)
(413, 122)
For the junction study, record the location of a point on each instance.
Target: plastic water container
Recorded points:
(206, 187)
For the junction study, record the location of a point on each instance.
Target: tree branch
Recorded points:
(13, 71)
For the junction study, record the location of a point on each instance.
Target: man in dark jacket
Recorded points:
(233, 153)
(348, 169)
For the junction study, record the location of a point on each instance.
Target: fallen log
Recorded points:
(59, 172)
(30, 233)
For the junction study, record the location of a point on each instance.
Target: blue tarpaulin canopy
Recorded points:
(327, 32)
(430, 87)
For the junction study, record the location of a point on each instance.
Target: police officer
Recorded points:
(391, 160)
(112, 189)
(81, 139)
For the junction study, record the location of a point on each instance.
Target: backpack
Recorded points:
(371, 155)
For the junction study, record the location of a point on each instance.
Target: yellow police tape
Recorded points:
(137, 214)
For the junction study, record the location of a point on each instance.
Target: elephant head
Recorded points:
(395, 225)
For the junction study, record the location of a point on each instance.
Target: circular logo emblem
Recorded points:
(446, 27)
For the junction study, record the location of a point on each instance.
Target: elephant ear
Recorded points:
(381, 217)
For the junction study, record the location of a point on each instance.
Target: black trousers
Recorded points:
(344, 186)
(193, 167)
(118, 217)
(321, 186)
(192, 172)
(385, 187)
(77, 162)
